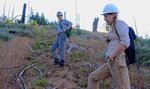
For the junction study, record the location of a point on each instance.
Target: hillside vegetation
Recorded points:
(23, 46)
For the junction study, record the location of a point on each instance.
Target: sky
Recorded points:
(130, 11)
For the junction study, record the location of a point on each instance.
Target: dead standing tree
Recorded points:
(95, 24)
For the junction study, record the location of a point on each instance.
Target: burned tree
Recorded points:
(95, 24)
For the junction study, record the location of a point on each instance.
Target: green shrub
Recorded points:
(6, 36)
(43, 82)
(143, 52)
(78, 56)
(43, 39)
(33, 22)
(8, 21)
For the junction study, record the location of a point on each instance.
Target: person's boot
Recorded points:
(61, 63)
(56, 61)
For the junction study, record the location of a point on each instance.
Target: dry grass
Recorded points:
(12, 53)
(139, 78)
(75, 74)
(94, 44)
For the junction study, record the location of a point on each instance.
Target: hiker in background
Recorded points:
(115, 66)
(61, 29)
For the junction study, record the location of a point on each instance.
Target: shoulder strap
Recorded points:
(117, 32)
(60, 25)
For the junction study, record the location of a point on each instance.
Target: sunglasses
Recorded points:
(108, 14)
(59, 15)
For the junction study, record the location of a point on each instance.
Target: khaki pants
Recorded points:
(116, 69)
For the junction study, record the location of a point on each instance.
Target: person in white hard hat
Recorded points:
(115, 66)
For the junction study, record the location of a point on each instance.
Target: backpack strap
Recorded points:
(117, 32)
(60, 25)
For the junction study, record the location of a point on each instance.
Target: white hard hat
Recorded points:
(110, 8)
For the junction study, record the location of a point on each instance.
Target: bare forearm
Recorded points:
(120, 49)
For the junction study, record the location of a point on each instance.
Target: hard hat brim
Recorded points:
(59, 15)
(110, 12)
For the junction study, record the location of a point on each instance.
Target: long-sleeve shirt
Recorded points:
(115, 40)
(63, 25)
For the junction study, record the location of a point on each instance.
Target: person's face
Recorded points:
(109, 18)
(60, 17)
